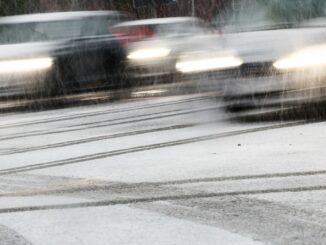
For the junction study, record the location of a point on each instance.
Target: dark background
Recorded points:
(205, 9)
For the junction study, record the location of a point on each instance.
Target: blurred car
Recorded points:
(160, 48)
(54, 53)
(282, 45)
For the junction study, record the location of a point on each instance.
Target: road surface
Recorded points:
(160, 170)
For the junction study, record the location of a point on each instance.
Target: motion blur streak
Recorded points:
(208, 64)
(149, 93)
(152, 53)
(25, 65)
(310, 57)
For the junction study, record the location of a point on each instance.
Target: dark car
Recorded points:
(282, 45)
(56, 53)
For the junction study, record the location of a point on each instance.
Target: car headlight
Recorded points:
(311, 57)
(25, 65)
(150, 53)
(208, 64)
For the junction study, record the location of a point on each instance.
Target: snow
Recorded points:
(309, 200)
(276, 151)
(115, 225)
(283, 150)
(17, 202)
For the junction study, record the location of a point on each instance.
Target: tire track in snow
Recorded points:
(104, 112)
(94, 139)
(107, 154)
(127, 201)
(107, 186)
(112, 122)
(266, 221)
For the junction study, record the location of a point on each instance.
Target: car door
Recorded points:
(97, 54)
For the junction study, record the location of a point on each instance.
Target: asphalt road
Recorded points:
(159, 170)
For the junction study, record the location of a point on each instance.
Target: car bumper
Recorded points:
(150, 68)
(276, 89)
(12, 85)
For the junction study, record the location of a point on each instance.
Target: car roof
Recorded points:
(157, 21)
(54, 16)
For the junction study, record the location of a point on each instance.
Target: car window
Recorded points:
(17, 33)
(59, 29)
(55, 30)
(36, 32)
(179, 29)
(99, 25)
(94, 26)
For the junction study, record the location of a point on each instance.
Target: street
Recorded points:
(159, 170)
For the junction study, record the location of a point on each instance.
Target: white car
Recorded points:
(167, 46)
(283, 49)
(49, 54)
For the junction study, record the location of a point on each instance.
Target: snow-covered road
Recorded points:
(168, 170)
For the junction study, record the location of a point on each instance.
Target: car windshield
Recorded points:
(52, 30)
(170, 29)
(266, 14)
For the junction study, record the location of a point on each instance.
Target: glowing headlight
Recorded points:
(208, 64)
(151, 53)
(306, 58)
(25, 65)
